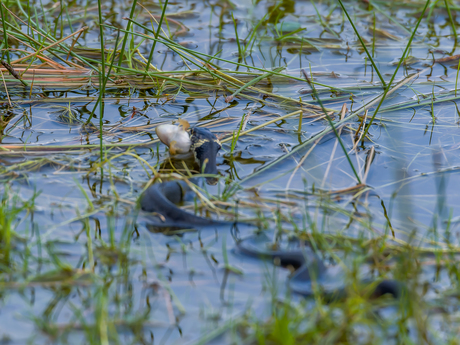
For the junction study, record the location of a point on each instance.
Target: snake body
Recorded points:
(308, 267)
(162, 198)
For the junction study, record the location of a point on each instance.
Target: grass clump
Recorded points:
(11, 208)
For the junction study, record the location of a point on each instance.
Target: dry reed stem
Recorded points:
(151, 66)
(301, 162)
(247, 119)
(370, 157)
(6, 89)
(39, 33)
(347, 190)
(44, 71)
(73, 44)
(363, 126)
(50, 46)
(356, 154)
(339, 130)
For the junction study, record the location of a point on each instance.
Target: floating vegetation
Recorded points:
(67, 115)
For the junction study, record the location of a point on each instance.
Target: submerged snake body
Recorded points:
(308, 267)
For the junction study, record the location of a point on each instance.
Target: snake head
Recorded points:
(205, 147)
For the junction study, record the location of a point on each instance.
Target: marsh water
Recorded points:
(183, 287)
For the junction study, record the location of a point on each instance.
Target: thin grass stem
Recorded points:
(156, 38)
(240, 51)
(125, 38)
(452, 22)
(5, 35)
(397, 68)
(236, 137)
(263, 125)
(456, 78)
(363, 45)
(332, 125)
(102, 88)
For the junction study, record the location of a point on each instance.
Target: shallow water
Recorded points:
(172, 289)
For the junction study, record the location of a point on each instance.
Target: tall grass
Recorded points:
(5, 35)
(157, 33)
(102, 80)
(125, 38)
(11, 208)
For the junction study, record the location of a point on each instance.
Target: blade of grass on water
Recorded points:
(254, 81)
(331, 124)
(362, 43)
(236, 137)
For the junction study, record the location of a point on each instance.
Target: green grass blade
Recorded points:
(5, 35)
(255, 81)
(364, 46)
(156, 37)
(240, 51)
(451, 19)
(125, 38)
(236, 137)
